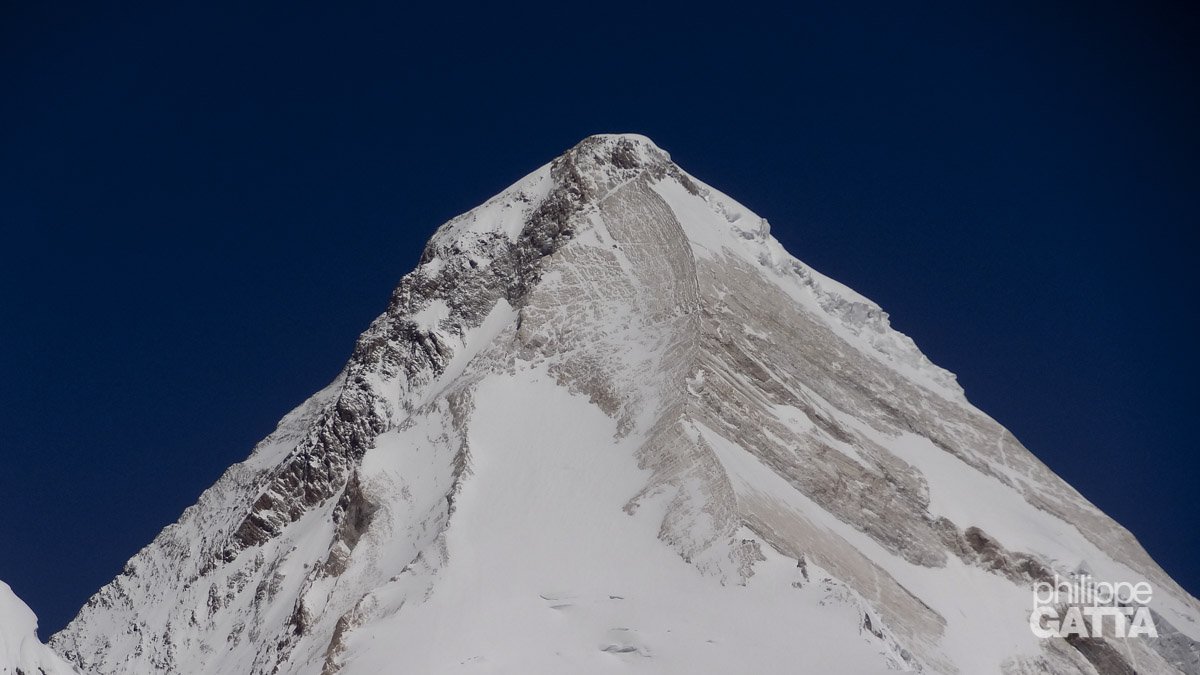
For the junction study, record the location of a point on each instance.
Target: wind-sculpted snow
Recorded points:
(608, 422)
(21, 653)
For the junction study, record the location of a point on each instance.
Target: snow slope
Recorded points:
(20, 649)
(608, 423)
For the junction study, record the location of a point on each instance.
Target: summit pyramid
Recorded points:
(609, 423)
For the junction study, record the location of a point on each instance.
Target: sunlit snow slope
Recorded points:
(609, 424)
(20, 650)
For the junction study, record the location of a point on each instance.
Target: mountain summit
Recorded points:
(609, 423)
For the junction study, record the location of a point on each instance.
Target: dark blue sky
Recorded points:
(203, 205)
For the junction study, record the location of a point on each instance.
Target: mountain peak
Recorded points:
(625, 151)
(608, 420)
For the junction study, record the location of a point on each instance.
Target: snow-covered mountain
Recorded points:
(20, 651)
(609, 423)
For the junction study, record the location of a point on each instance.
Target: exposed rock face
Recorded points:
(690, 395)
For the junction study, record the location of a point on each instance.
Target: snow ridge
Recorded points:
(20, 649)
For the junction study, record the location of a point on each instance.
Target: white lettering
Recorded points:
(1073, 623)
(1035, 621)
(1143, 624)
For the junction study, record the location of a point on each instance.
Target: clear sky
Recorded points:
(202, 204)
